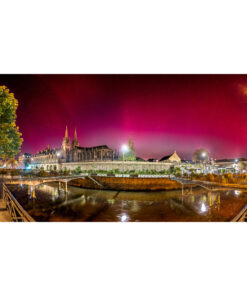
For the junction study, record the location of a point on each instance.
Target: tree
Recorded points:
(27, 162)
(200, 155)
(10, 137)
(129, 155)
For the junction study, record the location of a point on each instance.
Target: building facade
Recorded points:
(70, 152)
(172, 158)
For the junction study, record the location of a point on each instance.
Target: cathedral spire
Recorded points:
(75, 141)
(66, 132)
(66, 142)
(75, 135)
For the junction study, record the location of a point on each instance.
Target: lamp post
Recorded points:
(237, 165)
(203, 156)
(58, 159)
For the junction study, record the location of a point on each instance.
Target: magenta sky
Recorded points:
(162, 113)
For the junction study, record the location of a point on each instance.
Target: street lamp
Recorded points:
(125, 149)
(204, 154)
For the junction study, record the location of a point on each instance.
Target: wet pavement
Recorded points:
(4, 214)
(80, 204)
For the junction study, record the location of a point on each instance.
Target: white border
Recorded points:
(123, 37)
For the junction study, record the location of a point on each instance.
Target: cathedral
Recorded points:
(71, 152)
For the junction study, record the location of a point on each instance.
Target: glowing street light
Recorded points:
(125, 149)
(58, 154)
(203, 154)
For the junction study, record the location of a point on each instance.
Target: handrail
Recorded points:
(241, 216)
(19, 178)
(16, 211)
(95, 181)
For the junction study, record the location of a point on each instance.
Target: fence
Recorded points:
(241, 216)
(17, 213)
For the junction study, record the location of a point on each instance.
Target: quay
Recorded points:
(4, 214)
(11, 210)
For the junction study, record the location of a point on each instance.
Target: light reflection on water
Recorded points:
(53, 204)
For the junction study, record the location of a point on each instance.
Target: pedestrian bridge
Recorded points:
(33, 182)
(209, 186)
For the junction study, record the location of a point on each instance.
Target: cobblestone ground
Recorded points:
(4, 214)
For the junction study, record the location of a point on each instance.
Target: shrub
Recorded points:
(77, 171)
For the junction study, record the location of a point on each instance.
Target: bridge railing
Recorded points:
(241, 216)
(17, 213)
(46, 177)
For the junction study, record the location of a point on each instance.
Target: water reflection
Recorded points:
(124, 218)
(54, 204)
(203, 208)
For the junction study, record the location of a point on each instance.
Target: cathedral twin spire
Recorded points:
(66, 141)
(66, 132)
(75, 141)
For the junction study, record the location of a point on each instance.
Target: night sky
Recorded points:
(162, 113)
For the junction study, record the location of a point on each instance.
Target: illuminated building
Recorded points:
(70, 152)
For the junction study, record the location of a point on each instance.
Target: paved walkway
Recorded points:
(4, 214)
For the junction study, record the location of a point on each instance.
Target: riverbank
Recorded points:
(126, 184)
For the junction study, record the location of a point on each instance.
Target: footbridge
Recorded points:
(209, 186)
(35, 181)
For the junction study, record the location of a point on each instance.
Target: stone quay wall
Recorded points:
(127, 184)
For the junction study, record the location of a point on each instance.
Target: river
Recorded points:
(80, 204)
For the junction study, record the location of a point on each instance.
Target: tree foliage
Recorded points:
(10, 137)
(201, 155)
(130, 155)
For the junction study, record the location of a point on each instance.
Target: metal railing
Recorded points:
(17, 213)
(241, 216)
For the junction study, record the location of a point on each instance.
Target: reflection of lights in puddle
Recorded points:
(237, 192)
(124, 218)
(203, 208)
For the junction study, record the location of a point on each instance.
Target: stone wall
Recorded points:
(107, 166)
(128, 184)
(122, 166)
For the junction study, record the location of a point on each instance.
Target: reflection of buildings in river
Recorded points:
(51, 190)
(204, 203)
(111, 201)
(84, 200)
(135, 206)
